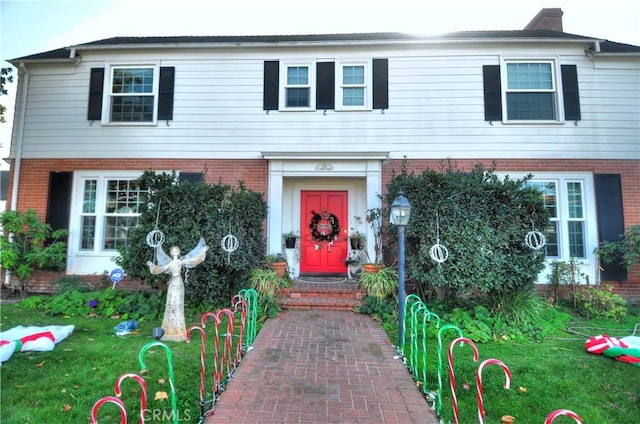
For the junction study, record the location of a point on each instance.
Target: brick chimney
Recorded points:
(550, 19)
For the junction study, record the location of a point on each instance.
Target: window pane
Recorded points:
(530, 106)
(529, 76)
(132, 109)
(576, 239)
(352, 75)
(574, 197)
(353, 96)
(89, 196)
(88, 225)
(548, 193)
(132, 80)
(117, 230)
(551, 234)
(124, 197)
(297, 75)
(297, 97)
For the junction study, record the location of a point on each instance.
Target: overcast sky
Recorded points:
(34, 26)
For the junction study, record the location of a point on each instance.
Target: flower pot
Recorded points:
(157, 333)
(280, 268)
(373, 268)
(290, 242)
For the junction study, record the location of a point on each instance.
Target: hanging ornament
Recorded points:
(438, 252)
(535, 239)
(155, 237)
(229, 244)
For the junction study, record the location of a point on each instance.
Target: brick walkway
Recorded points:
(321, 367)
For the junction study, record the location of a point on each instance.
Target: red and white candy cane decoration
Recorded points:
(143, 393)
(552, 416)
(109, 399)
(452, 377)
(203, 349)
(479, 383)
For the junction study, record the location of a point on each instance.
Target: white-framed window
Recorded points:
(567, 235)
(353, 85)
(133, 94)
(111, 206)
(530, 90)
(298, 86)
(105, 207)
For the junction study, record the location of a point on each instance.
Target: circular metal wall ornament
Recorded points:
(439, 253)
(229, 244)
(155, 238)
(535, 240)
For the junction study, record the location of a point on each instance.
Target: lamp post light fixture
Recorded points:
(400, 215)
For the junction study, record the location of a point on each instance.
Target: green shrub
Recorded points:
(476, 325)
(184, 212)
(27, 244)
(481, 219)
(601, 302)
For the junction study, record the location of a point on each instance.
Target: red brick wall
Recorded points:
(628, 169)
(34, 183)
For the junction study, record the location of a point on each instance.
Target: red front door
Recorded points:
(324, 222)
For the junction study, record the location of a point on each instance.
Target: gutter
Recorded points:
(19, 140)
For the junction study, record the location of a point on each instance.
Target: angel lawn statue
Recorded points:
(173, 323)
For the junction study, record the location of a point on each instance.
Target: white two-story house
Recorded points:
(319, 122)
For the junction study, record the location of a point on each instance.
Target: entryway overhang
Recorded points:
(294, 170)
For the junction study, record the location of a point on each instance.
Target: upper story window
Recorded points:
(136, 94)
(531, 91)
(133, 94)
(298, 86)
(324, 85)
(353, 90)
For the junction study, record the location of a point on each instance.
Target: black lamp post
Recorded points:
(400, 214)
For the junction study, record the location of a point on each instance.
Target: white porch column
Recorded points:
(274, 203)
(374, 189)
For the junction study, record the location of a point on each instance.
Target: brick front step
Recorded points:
(317, 295)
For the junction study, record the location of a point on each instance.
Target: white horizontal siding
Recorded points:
(436, 109)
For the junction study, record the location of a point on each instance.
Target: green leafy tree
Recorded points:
(482, 221)
(28, 244)
(5, 78)
(184, 212)
(626, 251)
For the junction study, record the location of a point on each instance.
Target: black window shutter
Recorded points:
(59, 200)
(165, 93)
(325, 85)
(570, 92)
(96, 84)
(271, 89)
(492, 93)
(610, 220)
(192, 177)
(381, 83)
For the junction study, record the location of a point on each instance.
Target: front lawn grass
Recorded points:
(61, 386)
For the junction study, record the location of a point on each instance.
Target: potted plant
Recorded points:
(266, 282)
(290, 239)
(277, 263)
(381, 284)
(374, 219)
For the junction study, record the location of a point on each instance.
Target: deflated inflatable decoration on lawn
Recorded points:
(39, 339)
(626, 349)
